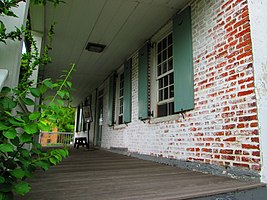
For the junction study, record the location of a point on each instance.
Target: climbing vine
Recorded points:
(20, 119)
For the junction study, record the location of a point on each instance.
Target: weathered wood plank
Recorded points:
(105, 175)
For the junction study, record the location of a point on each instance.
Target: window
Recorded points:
(171, 72)
(120, 98)
(120, 95)
(165, 77)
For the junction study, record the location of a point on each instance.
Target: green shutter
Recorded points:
(143, 83)
(111, 100)
(183, 62)
(127, 92)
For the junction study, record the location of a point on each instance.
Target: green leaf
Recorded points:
(10, 133)
(19, 119)
(18, 173)
(3, 127)
(10, 163)
(24, 138)
(36, 151)
(55, 85)
(24, 152)
(69, 84)
(62, 153)
(8, 103)
(14, 122)
(9, 113)
(60, 102)
(37, 145)
(53, 160)
(31, 128)
(43, 127)
(6, 148)
(2, 179)
(35, 115)
(5, 90)
(22, 188)
(43, 89)
(43, 164)
(15, 141)
(35, 92)
(28, 101)
(61, 93)
(48, 83)
(53, 105)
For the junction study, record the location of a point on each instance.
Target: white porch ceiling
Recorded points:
(122, 25)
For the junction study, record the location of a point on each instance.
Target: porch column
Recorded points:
(258, 19)
(10, 55)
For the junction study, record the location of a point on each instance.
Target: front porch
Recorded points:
(104, 175)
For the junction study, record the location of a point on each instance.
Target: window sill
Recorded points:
(166, 119)
(119, 126)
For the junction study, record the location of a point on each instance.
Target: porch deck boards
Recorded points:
(104, 175)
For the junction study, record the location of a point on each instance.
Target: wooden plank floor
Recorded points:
(101, 175)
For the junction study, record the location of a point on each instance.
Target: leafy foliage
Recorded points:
(18, 125)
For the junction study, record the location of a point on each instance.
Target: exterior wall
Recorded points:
(48, 139)
(258, 16)
(223, 127)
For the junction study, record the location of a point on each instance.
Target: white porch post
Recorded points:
(258, 18)
(10, 54)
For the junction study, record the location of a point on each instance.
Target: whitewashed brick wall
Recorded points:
(223, 127)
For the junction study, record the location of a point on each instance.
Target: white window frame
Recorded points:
(117, 98)
(165, 31)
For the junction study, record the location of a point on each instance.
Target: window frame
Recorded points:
(159, 36)
(120, 71)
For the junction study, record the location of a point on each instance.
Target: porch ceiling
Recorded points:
(122, 25)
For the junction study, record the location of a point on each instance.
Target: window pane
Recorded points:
(166, 92)
(159, 47)
(164, 55)
(170, 39)
(164, 43)
(171, 78)
(159, 70)
(165, 79)
(162, 110)
(159, 58)
(120, 120)
(161, 83)
(170, 51)
(170, 65)
(164, 67)
(171, 108)
(171, 91)
(160, 95)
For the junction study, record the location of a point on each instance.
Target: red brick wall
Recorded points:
(223, 127)
(224, 86)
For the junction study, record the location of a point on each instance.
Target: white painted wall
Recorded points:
(258, 18)
(3, 77)
(10, 54)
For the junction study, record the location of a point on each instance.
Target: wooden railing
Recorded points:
(56, 138)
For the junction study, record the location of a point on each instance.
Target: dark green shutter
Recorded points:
(111, 100)
(143, 83)
(127, 92)
(183, 62)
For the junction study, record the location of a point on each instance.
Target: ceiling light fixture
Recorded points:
(94, 47)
